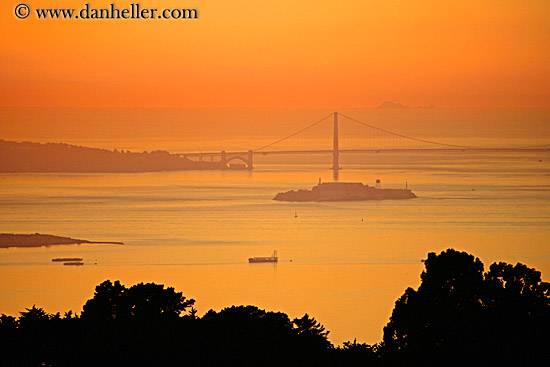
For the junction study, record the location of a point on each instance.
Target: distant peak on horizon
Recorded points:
(399, 106)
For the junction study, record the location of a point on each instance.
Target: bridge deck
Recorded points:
(397, 150)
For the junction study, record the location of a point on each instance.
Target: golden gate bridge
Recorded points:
(349, 135)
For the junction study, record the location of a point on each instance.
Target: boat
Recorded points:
(345, 191)
(271, 259)
(66, 259)
(74, 263)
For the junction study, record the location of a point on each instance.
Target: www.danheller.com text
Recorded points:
(88, 11)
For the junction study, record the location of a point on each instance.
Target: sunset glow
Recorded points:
(283, 54)
(390, 152)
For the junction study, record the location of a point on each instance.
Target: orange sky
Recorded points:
(278, 54)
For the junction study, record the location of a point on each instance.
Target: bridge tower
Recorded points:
(250, 160)
(223, 159)
(335, 151)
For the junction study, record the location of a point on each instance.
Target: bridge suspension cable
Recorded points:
(404, 136)
(294, 134)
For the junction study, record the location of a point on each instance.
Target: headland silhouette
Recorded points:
(38, 240)
(59, 157)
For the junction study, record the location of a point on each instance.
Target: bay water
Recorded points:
(344, 263)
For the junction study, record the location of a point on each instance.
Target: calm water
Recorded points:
(345, 263)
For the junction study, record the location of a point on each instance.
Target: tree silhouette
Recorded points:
(460, 316)
(151, 301)
(144, 301)
(245, 333)
(356, 354)
(309, 326)
(108, 302)
(33, 315)
(8, 322)
(518, 305)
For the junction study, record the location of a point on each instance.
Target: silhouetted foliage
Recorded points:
(148, 324)
(143, 301)
(356, 354)
(151, 301)
(108, 302)
(246, 333)
(311, 331)
(33, 316)
(7, 321)
(459, 315)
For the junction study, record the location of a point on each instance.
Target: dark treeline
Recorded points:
(459, 316)
(58, 157)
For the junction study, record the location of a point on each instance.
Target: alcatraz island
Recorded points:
(345, 191)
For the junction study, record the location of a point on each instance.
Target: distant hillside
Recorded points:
(37, 240)
(59, 157)
(399, 106)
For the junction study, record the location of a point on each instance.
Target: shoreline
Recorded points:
(11, 240)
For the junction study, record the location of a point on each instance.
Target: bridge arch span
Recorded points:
(248, 160)
(244, 160)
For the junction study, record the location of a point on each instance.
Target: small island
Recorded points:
(8, 240)
(345, 191)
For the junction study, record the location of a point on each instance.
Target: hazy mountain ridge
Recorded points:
(399, 106)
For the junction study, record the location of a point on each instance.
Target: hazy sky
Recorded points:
(279, 54)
